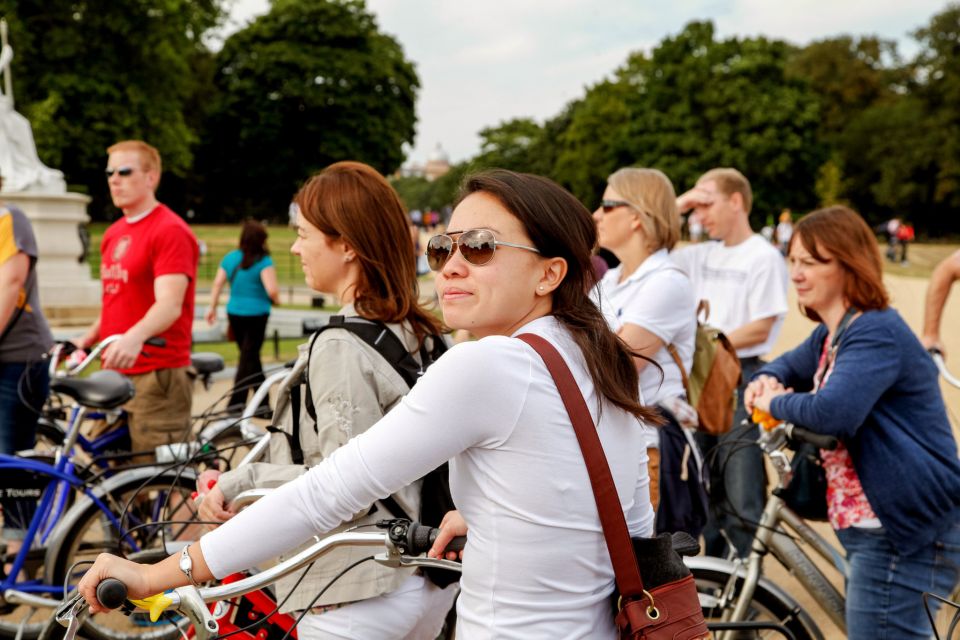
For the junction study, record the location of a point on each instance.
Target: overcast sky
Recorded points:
(483, 62)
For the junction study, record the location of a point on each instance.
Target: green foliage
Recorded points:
(309, 83)
(87, 76)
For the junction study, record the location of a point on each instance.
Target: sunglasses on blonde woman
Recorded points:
(610, 205)
(477, 247)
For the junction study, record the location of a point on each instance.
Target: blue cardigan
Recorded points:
(883, 402)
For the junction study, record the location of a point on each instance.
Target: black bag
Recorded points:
(684, 505)
(807, 492)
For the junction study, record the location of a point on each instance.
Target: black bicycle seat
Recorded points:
(102, 390)
(206, 362)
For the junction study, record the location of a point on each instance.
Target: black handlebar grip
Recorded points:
(816, 439)
(420, 538)
(111, 593)
(455, 544)
(155, 342)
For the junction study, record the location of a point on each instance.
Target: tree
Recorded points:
(847, 75)
(309, 83)
(699, 103)
(89, 76)
(509, 145)
(938, 67)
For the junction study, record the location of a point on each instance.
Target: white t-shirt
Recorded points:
(659, 298)
(743, 283)
(536, 563)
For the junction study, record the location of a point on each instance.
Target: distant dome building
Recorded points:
(438, 164)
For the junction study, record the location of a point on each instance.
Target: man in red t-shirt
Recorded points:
(148, 272)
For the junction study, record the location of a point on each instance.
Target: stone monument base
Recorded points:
(67, 292)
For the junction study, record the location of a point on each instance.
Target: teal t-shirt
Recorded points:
(248, 297)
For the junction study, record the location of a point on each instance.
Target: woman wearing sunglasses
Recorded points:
(652, 308)
(516, 259)
(352, 241)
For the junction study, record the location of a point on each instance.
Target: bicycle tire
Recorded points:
(766, 605)
(34, 567)
(87, 536)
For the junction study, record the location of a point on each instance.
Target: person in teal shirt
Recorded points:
(253, 290)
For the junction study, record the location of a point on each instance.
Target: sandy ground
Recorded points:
(907, 296)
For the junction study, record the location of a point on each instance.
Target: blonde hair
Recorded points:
(650, 192)
(731, 181)
(149, 156)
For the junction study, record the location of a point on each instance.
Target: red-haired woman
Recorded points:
(351, 228)
(893, 485)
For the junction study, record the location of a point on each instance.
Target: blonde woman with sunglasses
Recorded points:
(652, 308)
(516, 259)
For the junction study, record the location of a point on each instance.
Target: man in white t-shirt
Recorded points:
(744, 279)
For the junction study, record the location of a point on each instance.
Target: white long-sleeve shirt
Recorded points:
(536, 563)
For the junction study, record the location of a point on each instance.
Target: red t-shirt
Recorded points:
(132, 256)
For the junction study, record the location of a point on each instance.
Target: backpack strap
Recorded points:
(672, 350)
(379, 336)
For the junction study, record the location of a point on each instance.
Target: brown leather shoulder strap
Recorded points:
(612, 519)
(672, 350)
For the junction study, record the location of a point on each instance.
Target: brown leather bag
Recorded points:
(666, 612)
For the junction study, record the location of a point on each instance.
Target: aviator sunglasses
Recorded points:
(477, 247)
(123, 172)
(610, 205)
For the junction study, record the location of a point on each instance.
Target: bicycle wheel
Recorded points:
(766, 606)
(147, 505)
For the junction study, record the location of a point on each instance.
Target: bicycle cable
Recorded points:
(329, 584)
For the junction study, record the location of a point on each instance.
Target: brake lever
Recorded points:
(70, 614)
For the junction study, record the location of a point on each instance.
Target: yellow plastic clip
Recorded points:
(156, 605)
(764, 419)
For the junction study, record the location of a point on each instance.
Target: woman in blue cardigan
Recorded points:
(893, 485)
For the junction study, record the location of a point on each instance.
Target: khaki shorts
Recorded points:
(160, 410)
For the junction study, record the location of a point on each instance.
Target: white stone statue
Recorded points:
(20, 165)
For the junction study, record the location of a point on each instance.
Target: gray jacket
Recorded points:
(352, 387)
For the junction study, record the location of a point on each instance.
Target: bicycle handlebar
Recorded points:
(818, 440)
(938, 360)
(66, 348)
(401, 538)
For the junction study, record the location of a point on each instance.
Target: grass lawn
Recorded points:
(219, 240)
(222, 238)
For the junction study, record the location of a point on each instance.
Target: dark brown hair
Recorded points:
(561, 227)
(351, 200)
(253, 243)
(841, 232)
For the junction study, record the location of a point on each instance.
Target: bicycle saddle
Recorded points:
(102, 390)
(206, 362)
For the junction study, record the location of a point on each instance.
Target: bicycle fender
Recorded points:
(128, 479)
(727, 567)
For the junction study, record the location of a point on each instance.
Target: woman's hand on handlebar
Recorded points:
(769, 389)
(213, 507)
(134, 576)
(451, 526)
(755, 388)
